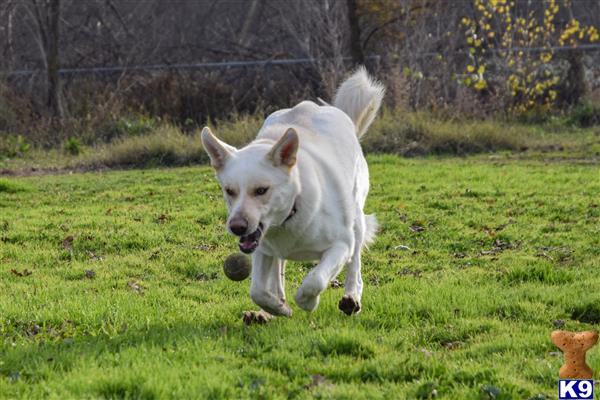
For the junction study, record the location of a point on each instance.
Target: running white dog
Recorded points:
(297, 192)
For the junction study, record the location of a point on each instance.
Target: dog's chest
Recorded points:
(289, 245)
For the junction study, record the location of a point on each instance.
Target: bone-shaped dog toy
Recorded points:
(574, 346)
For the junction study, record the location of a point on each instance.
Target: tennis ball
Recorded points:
(237, 267)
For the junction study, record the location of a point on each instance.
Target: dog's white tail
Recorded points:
(372, 227)
(360, 97)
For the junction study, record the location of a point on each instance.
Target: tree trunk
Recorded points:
(356, 51)
(248, 19)
(52, 58)
(10, 49)
(574, 87)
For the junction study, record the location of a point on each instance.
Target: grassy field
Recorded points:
(111, 287)
(393, 132)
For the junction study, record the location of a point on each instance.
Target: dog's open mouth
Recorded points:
(249, 243)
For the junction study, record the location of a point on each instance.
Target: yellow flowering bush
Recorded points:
(521, 48)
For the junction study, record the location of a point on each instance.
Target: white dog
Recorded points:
(297, 192)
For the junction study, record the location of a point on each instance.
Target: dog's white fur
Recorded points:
(310, 159)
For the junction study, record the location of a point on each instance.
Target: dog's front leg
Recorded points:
(266, 288)
(319, 277)
(350, 303)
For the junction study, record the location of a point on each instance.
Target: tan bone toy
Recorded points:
(574, 346)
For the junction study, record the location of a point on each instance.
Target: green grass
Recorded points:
(8, 186)
(508, 247)
(396, 132)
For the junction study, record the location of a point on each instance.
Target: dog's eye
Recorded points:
(260, 191)
(230, 192)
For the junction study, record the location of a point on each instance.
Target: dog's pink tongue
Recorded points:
(248, 242)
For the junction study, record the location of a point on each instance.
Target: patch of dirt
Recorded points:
(335, 284)
(135, 287)
(25, 272)
(453, 345)
(498, 247)
(35, 171)
(415, 273)
(417, 227)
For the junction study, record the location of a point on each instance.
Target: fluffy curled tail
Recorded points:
(360, 97)
(372, 228)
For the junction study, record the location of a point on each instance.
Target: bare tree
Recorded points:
(7, 13)
(319, 30)
(46, 17)
(421, 44)
(356, 50)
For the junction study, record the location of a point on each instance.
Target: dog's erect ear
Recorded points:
(217, 150)
(284, 151)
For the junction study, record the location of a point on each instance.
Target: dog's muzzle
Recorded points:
(249, 243)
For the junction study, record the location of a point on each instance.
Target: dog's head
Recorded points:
(259, 183)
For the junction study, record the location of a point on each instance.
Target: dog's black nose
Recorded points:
(238, 226)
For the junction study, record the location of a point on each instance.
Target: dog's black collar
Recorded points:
(292, 212)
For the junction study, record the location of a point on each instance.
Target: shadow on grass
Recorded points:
(34, 358)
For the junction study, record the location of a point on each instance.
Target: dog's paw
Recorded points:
(349, 305)
(307, 302)
(308, 295)
(256, 317)
(282, 310)
(270, 303)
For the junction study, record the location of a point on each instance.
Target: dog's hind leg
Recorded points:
(266, 288)
(350, 303)
(319, 277)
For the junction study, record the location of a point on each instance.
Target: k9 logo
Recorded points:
(574, 389)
